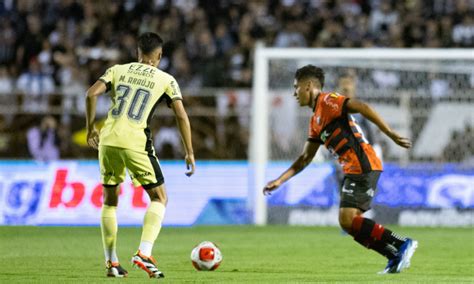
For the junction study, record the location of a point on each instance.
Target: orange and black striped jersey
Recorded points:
(333, 126)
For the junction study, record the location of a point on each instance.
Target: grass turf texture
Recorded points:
(274, 254)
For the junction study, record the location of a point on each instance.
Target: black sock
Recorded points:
(384, 249)
(374, 236)
(393, 239)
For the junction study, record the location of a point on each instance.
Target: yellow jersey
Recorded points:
(135, 89)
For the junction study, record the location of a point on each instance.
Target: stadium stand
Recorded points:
(65, 45)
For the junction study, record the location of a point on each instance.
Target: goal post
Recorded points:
(259, 142)
(404, 85)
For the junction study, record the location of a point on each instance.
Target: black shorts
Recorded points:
(357, 191)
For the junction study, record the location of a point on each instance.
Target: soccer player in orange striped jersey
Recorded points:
(333, 126)
(125, 143)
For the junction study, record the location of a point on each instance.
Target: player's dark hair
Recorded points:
(310, 71)
(147, 42)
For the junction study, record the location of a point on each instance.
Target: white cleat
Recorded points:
(114, 269)
(147, 264)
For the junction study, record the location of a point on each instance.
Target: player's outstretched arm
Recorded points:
(185, 130)
(91, 101)
(356, 106)
(309, 150)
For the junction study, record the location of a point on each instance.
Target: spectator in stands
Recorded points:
(432, 39)
(228, 31)
(182, 70)
(445, 32)
(7, 98)
(290, 36)
(45, 58)
(31, 42)
(5, 137)
(6, 82)
(463, 33)
(224, 41)
(383, 18)
(8, 38)
(36, 88)
(73, 86)
(43, 140)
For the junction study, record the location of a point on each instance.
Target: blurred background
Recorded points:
(51, 51)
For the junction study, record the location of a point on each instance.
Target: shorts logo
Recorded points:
(349, 191)
(139, 175)
(370, 192)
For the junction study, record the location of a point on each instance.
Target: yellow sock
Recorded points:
(151, 226)
(108, 226)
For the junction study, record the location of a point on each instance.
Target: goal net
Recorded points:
(424, 94)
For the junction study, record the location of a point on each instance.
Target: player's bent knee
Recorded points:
(163, 200)
(345, 220)
(110, 194)
(345, 223)
(158, 194)
(111, 202)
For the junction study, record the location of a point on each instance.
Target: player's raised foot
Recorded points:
(114, 269)
(391, 266)
(402, 261)
(405, 253)
(147, 264)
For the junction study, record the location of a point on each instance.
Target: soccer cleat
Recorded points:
(402, 261)
(147, 264)
(391, 266)
(114, 269)
(406, 252)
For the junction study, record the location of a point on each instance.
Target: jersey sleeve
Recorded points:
(108, 77)
(172, 91)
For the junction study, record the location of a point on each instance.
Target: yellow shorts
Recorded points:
(143, 167)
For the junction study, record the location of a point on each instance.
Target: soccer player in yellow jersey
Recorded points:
(125, 142)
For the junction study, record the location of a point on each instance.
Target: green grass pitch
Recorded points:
(273, 254)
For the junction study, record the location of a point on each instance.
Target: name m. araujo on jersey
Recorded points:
(135, 89)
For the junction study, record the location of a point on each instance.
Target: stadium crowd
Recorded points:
(51, 51)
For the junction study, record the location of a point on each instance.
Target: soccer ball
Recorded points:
(206, 256)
